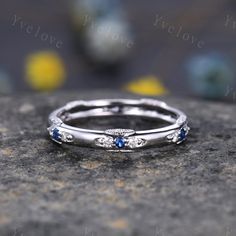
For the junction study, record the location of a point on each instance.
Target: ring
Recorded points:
(61, 129)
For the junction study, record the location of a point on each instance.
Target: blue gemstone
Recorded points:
(182, 134)
(120, 142)
(56, 135)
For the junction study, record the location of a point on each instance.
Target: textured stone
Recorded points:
(46, 189)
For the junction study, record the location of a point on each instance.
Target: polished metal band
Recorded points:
(117, 139)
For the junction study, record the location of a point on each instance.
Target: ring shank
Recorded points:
(117, 107)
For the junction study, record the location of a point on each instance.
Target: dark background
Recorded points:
(155, 51)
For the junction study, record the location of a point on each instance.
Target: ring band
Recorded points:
(117, 139)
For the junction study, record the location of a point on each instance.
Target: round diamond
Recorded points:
(134, 142)
(105, 141)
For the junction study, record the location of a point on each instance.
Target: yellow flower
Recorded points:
(45, 71)
(147, 86)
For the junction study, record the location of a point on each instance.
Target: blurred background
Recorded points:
(151, 48)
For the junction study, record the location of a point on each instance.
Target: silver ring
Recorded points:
(117, 139)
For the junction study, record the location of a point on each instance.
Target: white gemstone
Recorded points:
(56, 121)
(134, 142)
(68, 138)
(105, 141)
(170, 136)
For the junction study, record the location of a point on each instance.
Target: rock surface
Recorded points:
(181, 190)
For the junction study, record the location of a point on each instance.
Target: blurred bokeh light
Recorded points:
(112, 44)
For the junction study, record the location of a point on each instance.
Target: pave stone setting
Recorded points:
(119, 139)
(179, 136)
(59, 136)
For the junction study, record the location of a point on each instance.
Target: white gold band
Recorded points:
(117, 139)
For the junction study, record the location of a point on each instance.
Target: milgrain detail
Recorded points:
(120, 132)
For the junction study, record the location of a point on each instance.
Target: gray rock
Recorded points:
(46, 189)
